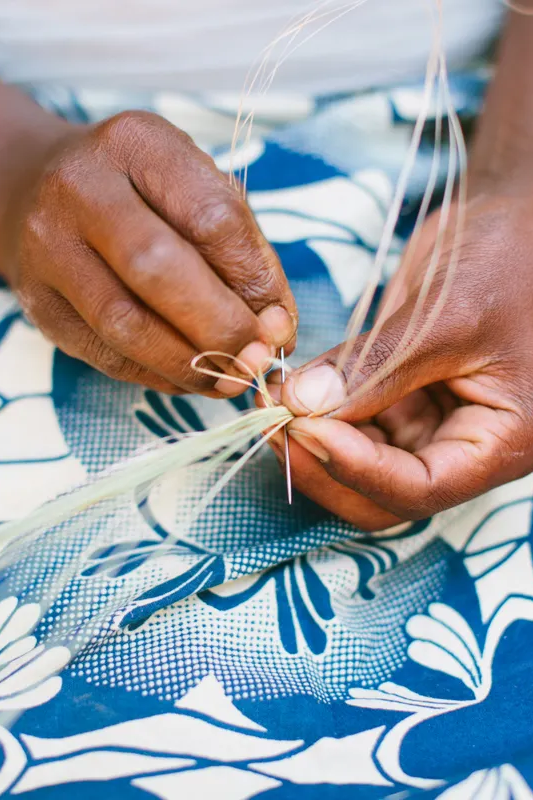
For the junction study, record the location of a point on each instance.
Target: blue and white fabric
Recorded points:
(273, 652)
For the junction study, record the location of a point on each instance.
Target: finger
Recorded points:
(358, 391)
(60, 323)
(172, 278)
(184, 187)
(121, 322)
(469, 455)
(311, 479)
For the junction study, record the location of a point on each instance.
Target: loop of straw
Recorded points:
(290, 33)
(213, 374)
(258, 381)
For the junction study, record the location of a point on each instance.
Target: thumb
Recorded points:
(320, 387)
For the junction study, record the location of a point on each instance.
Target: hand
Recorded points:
(456, 419)
(131, 251)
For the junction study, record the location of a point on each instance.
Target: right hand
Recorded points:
(133, 253)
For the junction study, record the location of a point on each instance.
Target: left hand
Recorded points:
(456, 418)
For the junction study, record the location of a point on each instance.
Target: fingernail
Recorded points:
(311, 445)
(320, 389)
(228, 387)
(257, 356)
(279, 323)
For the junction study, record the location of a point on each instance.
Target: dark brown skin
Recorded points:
(457, 418)
(130, 250)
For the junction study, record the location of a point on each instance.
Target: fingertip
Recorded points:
(227, 388)
(338, 439)
(310, 444)
(318, 390)
(257, 356)
(279, 323)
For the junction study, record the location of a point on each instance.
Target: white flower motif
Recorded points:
(27, 677)
(161, 753)
(28, 671)
(493, 538)
(393, 697)
(442, 641)
(502, 783)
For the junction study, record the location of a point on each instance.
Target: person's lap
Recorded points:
(272, 649)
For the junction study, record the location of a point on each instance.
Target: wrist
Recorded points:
(504, 165)
(502, 151)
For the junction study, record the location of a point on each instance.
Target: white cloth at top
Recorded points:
(209, 45)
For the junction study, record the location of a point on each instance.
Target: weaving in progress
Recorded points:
(178, 616)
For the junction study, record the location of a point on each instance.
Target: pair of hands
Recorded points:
(131, 251)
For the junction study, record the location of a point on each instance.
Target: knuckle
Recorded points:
(381, 351)
(259, 281)
(105, 359)
(233, 339)
(120, 127)
(446, 497)
(65, 177)
(152, 258)
(126, 132)
(36, 226)
(219, 220)
(37, 311)
(31, 308)
(38, 222)
(120, 137)
(120, 321)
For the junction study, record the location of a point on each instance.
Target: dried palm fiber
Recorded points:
(195, 456)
